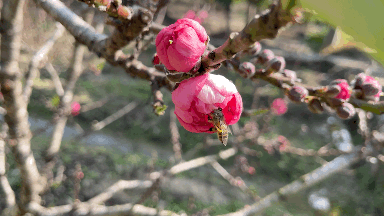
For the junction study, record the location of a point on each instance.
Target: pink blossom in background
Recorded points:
(374, 82)
(345, 93)
(203, 14)
(279, 106)
(180, 45)
(200, 17)
(283, 142)
(197, 97)
(190, 14)
(75, 108)
(251, 170)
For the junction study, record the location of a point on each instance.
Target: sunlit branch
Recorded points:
(308, 180)
(38, 58)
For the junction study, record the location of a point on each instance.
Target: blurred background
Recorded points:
(140, 142)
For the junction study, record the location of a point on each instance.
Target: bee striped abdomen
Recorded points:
(220, 126)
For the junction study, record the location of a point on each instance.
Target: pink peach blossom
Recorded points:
(345, 93)
(180, 45)
(279, 106)
(190, 14)
(197, 97)
(375, 85)
(75, 108)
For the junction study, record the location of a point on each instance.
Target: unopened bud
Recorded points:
(334, 102)
(255, 49)
(124, 12)
(332, 91)
(155, 59)
(359, 80)
(315, 106)
(247, 69)
(346, 111)
(251, 170)
(297, 94)
(275, 65)
(102, 2)
(265, 56)
(371, 88)
(289, 74)
(79, 175)
(338, 81)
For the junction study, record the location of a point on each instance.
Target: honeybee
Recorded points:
(220, 126)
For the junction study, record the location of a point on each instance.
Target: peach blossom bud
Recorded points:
(297, 94)
(265, 56)
(79, 175)
(346, 111)
(315, 106)
(372, 88)
(359, 80)
(247, 69)
(334, 102)
(332, 91)
(344, 93)
(275, 65)
(251, 170)
(279, 106)
(180, 45)
(289, 74)
(75, 108)
(255, 49)
(155, 59)
(102, 2)
(124, 12)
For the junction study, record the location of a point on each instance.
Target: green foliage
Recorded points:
(359, 19)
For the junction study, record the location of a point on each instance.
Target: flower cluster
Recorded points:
(179, 48)
(336, 95)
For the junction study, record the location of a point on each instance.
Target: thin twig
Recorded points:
(65, 101)
(175, 136)
(55, 78)
(337, 165)
(9, 194)
(95, 105)
(119, 186)
(120, 113)
(37, 58)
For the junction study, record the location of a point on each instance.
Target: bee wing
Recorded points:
(229, 130)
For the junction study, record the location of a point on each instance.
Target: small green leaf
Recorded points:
(160, 110)
(55, 101)
(100, 66)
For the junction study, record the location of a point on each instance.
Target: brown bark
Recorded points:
(17, 115)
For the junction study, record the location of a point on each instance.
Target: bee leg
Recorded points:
(213, 129)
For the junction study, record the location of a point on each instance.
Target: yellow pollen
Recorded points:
(170, 41)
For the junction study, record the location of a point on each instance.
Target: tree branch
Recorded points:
(55, 78)
(175, 136)
(263, 26)
(119, 186)
(8, 192)
(337, 165)
(37, 58)
(16, 106)
(86, 34)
